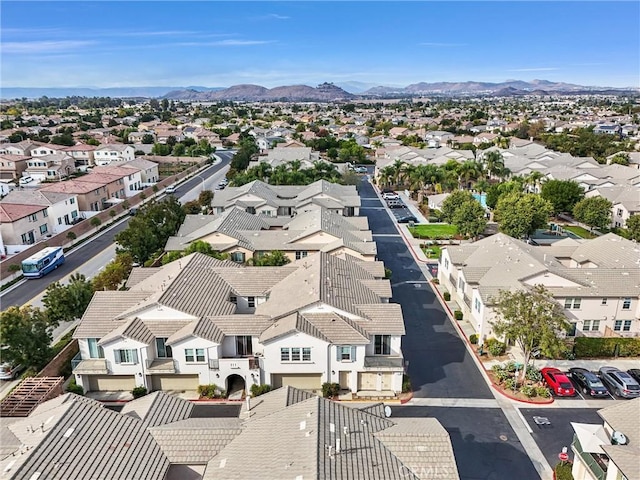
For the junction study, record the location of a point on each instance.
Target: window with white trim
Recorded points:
(95, 350)
(285, 354)
(251, 302)
(306, 354)
(295, 354)
(572, 303)
(301, 254)
(477, 304)
(344, 354)
(626, 303)
(446, 264)
(163, 350)
(126, 356)
(193, 355)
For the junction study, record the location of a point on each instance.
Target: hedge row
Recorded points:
(586, 347)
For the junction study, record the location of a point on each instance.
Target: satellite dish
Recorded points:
(618, 438)
(387, 411)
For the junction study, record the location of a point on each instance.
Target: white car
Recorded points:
(390, 196)
(26, 180)
(170, 189)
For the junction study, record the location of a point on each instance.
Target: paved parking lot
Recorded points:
(551, 437)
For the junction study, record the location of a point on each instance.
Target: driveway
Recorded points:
(438, 362)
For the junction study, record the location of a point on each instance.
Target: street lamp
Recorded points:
(201, 178)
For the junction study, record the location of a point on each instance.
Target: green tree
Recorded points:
(114, 273)
(532, 319)
(453, 202)
(192, 207)
(148, 139)
(470, 219)
(594, 211)
(495, 191)
(149, 230)
(562, 194)
(27, 334)
(621, 159)
(520, 214)
(205, 198)
(633, 226)
(67, 302)
(275, 258)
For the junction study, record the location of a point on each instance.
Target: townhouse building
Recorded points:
(130, 175)
(625, 200)
(287, 200)
(12, 166)
(113, 152)
(23, 225)
(608, 451)
(244, 236)
(50, 167)
(199, 320)
(597, 282)
(62, 208)
(82, 155)
(149, 173)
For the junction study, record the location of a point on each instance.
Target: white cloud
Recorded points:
(43, 46)
(225, 43)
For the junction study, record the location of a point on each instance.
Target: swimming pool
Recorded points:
(482, 198)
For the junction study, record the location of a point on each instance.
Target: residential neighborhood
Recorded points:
(333, 280)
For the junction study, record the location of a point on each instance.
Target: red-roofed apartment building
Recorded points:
(22, 225)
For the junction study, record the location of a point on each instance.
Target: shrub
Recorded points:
(473, 338)
(143, 196)
(509, 384)
(73, 387)
(211, 391)
(457, 315)
(503, 375)
(563, 471)
(543, 392)
(95, 222)
(330, 389)
(387, 273)
(447, 296)
(595, 347)
(495, 347)
(138, 392)
(528, 390)
(257, 390)
(71, 236)
(435, 281)
(14, 267)
(406, 384)
(533, 374)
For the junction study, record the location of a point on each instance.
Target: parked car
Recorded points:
(620, 383)
(407, 219)
(588, 382)
(395, 203)
(558, 382)
(222, 185)
(133, 211)
(26, 180)
(170, 189)
(390, 196)
(9, 372)
(635, 373)
(360, 169)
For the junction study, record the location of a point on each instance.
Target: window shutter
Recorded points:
(135, 356)
(353, 354)
(339, 353)
(116, 353)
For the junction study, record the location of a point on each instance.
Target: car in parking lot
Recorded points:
(26, 180)
(407, 219)
(558, 382)
(9, 371)
(620, 383)
(588, 382)
(360, 169)
(635, 373)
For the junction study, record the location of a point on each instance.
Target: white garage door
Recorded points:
(175, 382)
(367, 381)
(302, 381)
(111, 383)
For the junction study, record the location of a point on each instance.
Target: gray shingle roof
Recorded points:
(202, 328)
(134, 329)
(97, 320)
(624, 417)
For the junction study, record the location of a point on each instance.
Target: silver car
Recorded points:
(620, 383)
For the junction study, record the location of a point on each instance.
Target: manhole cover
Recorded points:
(503, 438)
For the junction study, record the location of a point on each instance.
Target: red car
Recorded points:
(558, 382)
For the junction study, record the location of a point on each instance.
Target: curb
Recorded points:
(505, 394)
(402, 402)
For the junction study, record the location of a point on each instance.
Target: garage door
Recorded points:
(111, 383)
(367, 381)
(302, 381)
(175, 382)
(387, 381)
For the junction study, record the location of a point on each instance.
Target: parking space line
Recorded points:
(578, 392)
(526, 424)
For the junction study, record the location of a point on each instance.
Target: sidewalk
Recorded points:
(412, 205)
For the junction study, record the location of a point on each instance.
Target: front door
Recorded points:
(344, 381)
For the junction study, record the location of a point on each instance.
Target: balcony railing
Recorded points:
(75, 361)
(597, 465)
(162, 365)
(89, 366)
(238, 363)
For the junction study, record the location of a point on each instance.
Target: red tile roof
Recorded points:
(10, 212)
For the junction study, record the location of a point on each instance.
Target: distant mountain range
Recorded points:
(323, 92)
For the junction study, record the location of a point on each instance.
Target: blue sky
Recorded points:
(219, 44)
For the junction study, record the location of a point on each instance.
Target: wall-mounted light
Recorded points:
(333, 372)
(217, 375)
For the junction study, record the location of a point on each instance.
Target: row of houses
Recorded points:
(31, 214)
(596, 281)
(286, 433)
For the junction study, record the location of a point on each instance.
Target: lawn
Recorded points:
(431, 251)
(434, 231)
(581, 232)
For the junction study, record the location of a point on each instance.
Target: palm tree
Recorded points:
(494, 162)
(468, 172)
(533, 181)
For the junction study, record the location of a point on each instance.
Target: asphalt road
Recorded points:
(33, 287)
(484, 444)
(439, 364)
